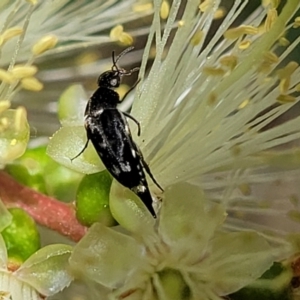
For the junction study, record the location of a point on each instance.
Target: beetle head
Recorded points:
(112, 78)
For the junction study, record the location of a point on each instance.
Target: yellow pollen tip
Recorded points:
(236, 150)
(220, 13)
(31, 84)
(11, 32)
(297, 87)
(270, 57)
(142, 7)
(44, 44)
(32, 2)
(206, 4)
(244, 104)
(22, 71)
(212, 99)
(6, 77)
(213, 71)
(245, 189)
(283, 99)
(4, 123)
(180, 23)
(21, 118)
(13, 142)
(271, 3)
(116, 32)
(126, 39)
(288, 70)
(197, 38)
(164, 10)
(243, 45)
(283, 41)
(271, 18)
(284, 85)
(234, 33)
(229, 61)
(4, 105)
(296, 22)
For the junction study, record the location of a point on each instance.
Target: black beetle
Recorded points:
(108, 129)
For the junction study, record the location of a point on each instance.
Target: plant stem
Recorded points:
(44, 210)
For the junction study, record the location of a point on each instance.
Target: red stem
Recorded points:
(45, 210)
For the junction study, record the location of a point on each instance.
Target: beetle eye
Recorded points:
(114, 82)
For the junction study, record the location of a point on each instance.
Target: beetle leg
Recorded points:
(135, 84)
(85, 146)
(146, 167)
(136, 122)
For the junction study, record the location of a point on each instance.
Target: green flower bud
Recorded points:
(21, 237)
(274, 284)
(174, 284)
(92, 199)
(38, 171)
(22, 175)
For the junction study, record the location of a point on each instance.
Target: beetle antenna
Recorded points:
(123, 53)
(131, 71)
(114, 66)
(116, 59)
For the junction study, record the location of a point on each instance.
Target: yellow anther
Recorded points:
(245, 189)
(126, 39)
(266, 80)
(6, 77)
(244, 44)
(212, 99)
(264, 67)
(32, 2)
(270, 57)
(271, 18)
(180, 23)
(237, 32)
(288, 70)
(205, 5)
(220, 13)
(20, 118)
(11, 32)
(164, 9)
(197, 38)
(4, 122)
(283, 41)
(271, 3)
(142, 7)
(236, 150)
(265, 3)
(286, 99)
(44, 44)
(284, 85)
(13, 142)
(229, 61)
(244, 104)
(116, 32)
(31, 84)
(213, 71)
(22, 71)
(296, 22)
(4, 105)
(297, 87)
